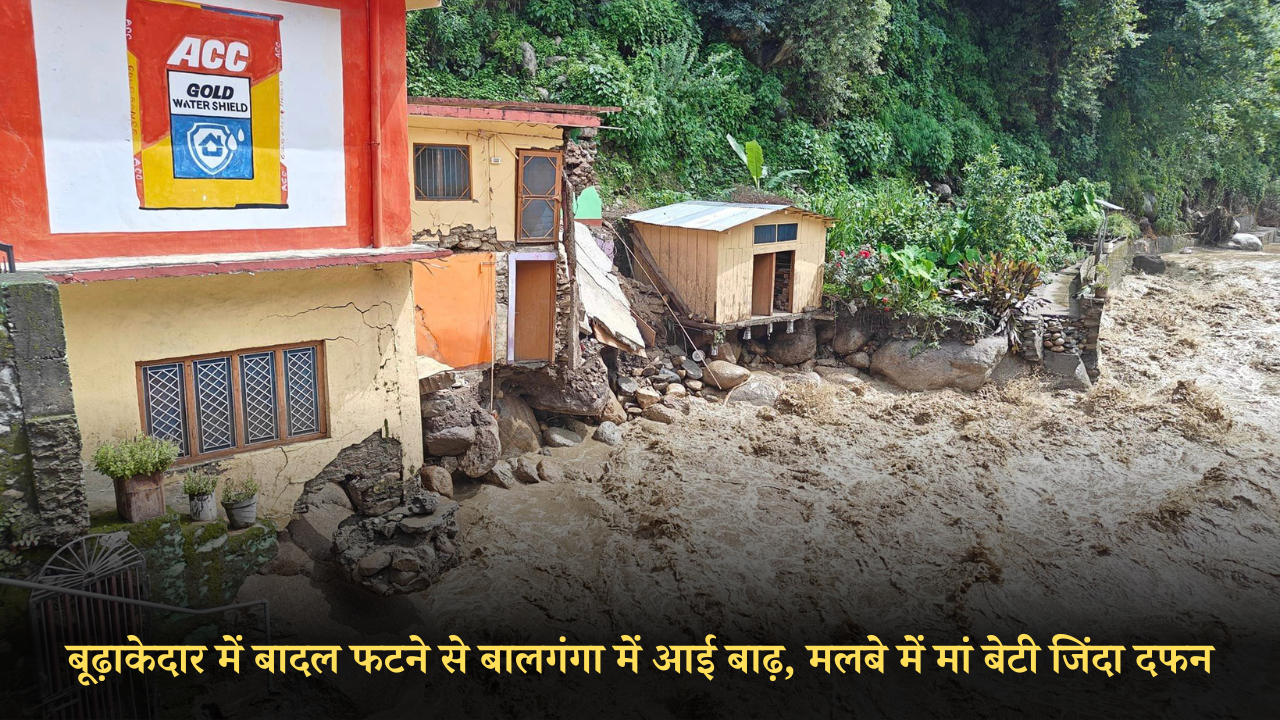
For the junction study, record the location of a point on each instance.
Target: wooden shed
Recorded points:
(736, 264)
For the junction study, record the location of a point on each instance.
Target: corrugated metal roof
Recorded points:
(705, 214)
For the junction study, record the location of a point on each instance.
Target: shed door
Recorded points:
(762, 285)
(535, 301)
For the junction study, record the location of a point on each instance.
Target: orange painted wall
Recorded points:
(454, 313)
(24, 212)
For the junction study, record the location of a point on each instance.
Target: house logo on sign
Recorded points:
(213, 146)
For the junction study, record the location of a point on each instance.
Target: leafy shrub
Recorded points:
(195, 482)
(902, 280)
(636, 24)
(998, 285)
(140, 455)
(1008, 215)
(895, 213)
(554, 17)
(239, 489)
(866, 146)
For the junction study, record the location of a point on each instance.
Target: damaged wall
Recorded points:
(454, 308)
(493, 186)
(364, 315)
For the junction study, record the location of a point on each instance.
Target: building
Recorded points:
(733, 264)
(222, 194)
(492, 183)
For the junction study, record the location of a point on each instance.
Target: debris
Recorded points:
(435, 479)
(726, 375)
(659, 413)
(608, 433)
(559, 438)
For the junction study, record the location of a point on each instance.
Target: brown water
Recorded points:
(1146, 505)
(1145, 510)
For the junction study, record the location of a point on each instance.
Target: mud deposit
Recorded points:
(1142, 512)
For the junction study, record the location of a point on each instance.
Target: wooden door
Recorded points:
(762, 285)
(535, 301)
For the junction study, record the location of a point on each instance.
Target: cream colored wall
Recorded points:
(688, 259)
(364, 315)
(737, 250)
(493, 187)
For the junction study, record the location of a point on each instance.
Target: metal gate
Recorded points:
(107, 565)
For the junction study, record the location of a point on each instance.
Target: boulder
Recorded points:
(725, 375)
(848, 339)
(844, 377)
(1067, 371)
(729, 350)
(483, 453)
(560, 438)
(525, 468)
(450, 441)
(793, 348)
(517, 426)
(608, 433)
(550, 471)
(692, 371)
(437, 480)
(646, 397)
(372, 496)
(501, 475)
(952, 364)
(860, 360)
(660, 413)
(1244, 241)
(613, 412)
(528, 60)
(1149, 264)
(628, 385)
(760, 389)
(563, 391)
(582, 429)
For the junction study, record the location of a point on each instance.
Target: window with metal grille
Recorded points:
(442, 172)
(538, 204)
(214, 405)
(785, 232)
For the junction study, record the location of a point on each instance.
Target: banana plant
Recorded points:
(752, 155)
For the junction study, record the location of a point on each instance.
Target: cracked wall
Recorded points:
(493, 185)
(364, 316)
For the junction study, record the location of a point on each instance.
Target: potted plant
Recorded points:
(137, 466)
(240, 500)
(199, 487)
(1100, 289)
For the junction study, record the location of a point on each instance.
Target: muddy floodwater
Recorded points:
(1144, 510)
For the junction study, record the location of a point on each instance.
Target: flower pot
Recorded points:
(141, 497)
(242, 513)
(203, 508)
(1100, 292)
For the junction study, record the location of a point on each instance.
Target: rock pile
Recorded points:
(402, 549)
(464, 237)
(458, 433)
(652, 387)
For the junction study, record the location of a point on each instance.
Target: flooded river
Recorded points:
(1144, 511)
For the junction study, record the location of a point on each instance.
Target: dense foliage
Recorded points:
(1166, 105)
(141, 455)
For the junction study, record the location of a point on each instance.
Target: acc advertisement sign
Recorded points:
(170, 115)
(205, 89)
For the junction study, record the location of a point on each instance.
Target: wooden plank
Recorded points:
(762, 284)
(664, 285)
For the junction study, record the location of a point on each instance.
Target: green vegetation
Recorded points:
(239, 489)
(141, 455)
(1165, 105)
(195, 482)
